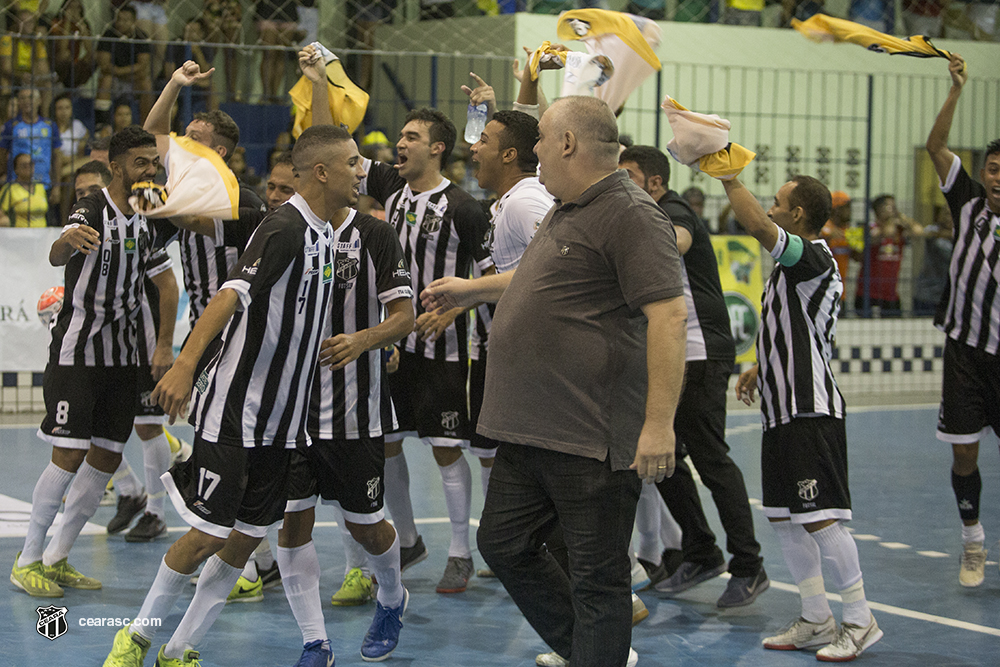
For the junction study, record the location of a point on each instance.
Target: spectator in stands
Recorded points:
(22, 201)
(99, 147)
(696, 200)
(923, 17)
(277, 24)
(151, 18)
(124, 65)
(122, 117)
(29, 133)
(798, 9)
(743, 12)
(72, 53)
(651, 9)
(24, 60)
(367, 16)
(972, 20)
(223, 24)
(876, 14)
(888, 234)
(73, 136)
(834, 232)
(178, 53)
(933, 279)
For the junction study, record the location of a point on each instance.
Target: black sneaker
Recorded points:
(689, 575)
(270, 577)
(412, 555)
(128, 508)
(148, 528)
(741, 591)
(669, 562)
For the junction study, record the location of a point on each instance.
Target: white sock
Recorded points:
(397, 499)
(670, 531)
(300, 578)
(802, 556)
(484, 475)
(457, 481)
(973, 533)
(126, 481)
(263, 555)
(385, 567)
(82, 501)
(840, 554)
(647, 524)
(156, 460)
(160, 600)
(45, 501)
(355, 555)
(214, 585)
(250, 569)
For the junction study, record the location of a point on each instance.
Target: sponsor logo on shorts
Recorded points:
(449, 419)
(808, 490)
(58, 430)
(200, 506)
(51, 622)
(373, 487)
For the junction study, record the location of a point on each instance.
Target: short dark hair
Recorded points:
(626, 140)
(651, 160)
(880, 201)
(21, 155)
(992, 148)
(94, 167)
(441, 129)
(285, 157)
(225, 131)
(520, 132)
(693, 192)
(313, 139)
(127, 8)
(815, 200)
(99, 144)
(131, 137)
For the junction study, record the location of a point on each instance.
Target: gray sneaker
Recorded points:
(128, 508)
(689, 575)
(148, 528)
(741, 591)
(456, 575)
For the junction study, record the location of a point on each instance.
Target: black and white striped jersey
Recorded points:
(368, 272)
(798, 326)
(207, 262)
(972, 311)
(482, 320)
(97, 323)
(148, 320)
(255, 391)
(441, 232)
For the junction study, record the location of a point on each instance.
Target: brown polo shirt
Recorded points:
(567, 364)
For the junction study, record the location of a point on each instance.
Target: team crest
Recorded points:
(449, 419)
(51, 622)
(808, 490)
(431, 224)
(347, 268)
(373, 488)
(146, 398)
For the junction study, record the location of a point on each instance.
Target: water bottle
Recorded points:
(475, 122)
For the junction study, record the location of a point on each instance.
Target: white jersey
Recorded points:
(515, 218)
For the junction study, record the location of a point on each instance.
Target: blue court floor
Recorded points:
(906, 524)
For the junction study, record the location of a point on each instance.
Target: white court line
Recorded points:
(906, 613)
(894, 545)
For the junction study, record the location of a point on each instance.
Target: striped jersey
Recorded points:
(515, 218)
(254, 392)
(148, 321)
(441, 232)
(368, 273)
(972, 311)
(97, 324)
(798, 326)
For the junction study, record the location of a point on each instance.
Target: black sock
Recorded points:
(967, 489)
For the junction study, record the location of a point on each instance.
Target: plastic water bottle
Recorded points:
(475, 122)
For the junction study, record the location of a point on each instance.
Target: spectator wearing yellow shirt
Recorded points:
(743, 12)
(22, 202)
(24, 60)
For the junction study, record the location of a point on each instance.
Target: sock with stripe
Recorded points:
(216, 581)
(397, 499)
(81, 502)
(802, 555)
(160, 600)
(967, 491)
(45, 501)
(300, 579)
(385, 567)
(840, 555)
(457, 481)
(156, 460)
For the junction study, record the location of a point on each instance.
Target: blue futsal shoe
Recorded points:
(383, 635)
(317, 654)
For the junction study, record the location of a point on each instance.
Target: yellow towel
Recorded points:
(198, 183)
(347, 101)
(541, 52)
(701, 141)
(823, 28)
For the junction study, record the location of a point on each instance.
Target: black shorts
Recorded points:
(804, 470)
(222, 487)
(85, 404)
(347, 472)
(970, 394)
(147, 411)
(429, 397)
(479, 444)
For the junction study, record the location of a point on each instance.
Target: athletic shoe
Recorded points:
(148, 528)
(270, 577)
(555, 660)
(316, 654)
(68, 576)
(851, 641)
(801, 633)
(688, 575)
(640, 579)
(633, 658)
(129, 649)
(639, 611)
(128, 508)
(669, 562)
(409, 556)
(32, 580)
(741, 591)
(383, 634)
(356, 589)
(108, 499)
(456, 575)
(190, 659)
(246, 591)
(973, 570)
(180, 449)
(485, 573)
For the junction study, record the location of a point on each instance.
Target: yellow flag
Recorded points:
(823, 28)
(347, 101)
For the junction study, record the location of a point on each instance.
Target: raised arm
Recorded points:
(483, 93)
(748, 212)
(314, 69)
(158, 120)
(937, 142)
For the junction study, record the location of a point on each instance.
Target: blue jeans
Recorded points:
(586, 615)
